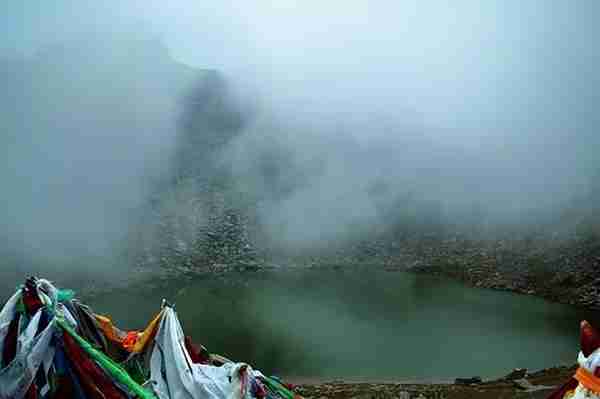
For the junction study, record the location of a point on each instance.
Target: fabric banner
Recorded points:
(173, 375)
(107, 364)
(17, 376)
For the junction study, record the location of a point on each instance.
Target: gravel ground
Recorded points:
(541, 384)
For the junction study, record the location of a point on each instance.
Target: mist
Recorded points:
(459, 106)
(90, 128)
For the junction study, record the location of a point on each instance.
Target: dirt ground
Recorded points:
(543, 382)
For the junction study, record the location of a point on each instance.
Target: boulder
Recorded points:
(516, 374)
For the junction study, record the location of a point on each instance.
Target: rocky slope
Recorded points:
(567, 271)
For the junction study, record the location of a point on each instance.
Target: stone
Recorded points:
(525, 385)
(516, 374)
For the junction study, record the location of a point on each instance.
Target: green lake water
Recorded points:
(361, 324)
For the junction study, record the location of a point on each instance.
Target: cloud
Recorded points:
(461, 103)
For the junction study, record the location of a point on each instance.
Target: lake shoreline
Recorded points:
(565, 271)
(568, 287)
(561, 270)
(542, 383)
(559, 289)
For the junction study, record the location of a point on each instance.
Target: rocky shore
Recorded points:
(565, 272)
(532, 386)
(560, 270)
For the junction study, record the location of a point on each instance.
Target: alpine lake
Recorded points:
(360, 324)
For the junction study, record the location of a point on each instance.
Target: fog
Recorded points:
(84, 138)
(464, 104)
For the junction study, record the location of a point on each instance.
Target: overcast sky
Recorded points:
(470, 65)
(513, 84)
